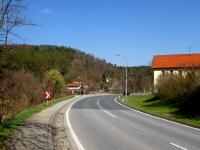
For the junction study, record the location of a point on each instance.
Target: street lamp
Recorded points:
(126, 85)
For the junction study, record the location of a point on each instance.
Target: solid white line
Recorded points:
(156, 116)
(73, 134)
(110, 114)
(178, 146)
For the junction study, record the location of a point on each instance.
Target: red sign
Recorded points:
(48, 95)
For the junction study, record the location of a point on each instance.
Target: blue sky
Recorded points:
(138, 29)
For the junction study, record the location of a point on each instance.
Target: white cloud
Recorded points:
(46, 11)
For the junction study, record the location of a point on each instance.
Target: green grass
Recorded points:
(162, 109)
(6, 128)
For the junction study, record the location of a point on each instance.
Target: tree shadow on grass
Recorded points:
(180, 113)
(152, 99)
(156, 102)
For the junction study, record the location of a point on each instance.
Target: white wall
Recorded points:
(157, 73)
(176, 72)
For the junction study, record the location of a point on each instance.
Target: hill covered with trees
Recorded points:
(26, 71)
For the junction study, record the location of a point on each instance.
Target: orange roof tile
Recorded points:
(176, 61)
(73, 84)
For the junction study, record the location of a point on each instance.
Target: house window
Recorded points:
(171, 71)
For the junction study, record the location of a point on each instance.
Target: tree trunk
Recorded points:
(1, 117)
(2, 14)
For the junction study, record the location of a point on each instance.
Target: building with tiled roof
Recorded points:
(174, 63)
(74, 88)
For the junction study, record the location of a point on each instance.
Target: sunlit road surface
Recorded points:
(100, 123)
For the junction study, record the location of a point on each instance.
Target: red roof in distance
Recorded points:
(176, 61)
(73, 84)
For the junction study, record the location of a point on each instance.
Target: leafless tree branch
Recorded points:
(11, 17)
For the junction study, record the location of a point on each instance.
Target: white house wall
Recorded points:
(176, 72)
(157, 73)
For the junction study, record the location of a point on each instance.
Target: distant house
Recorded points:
(74, 88)
(178, 63)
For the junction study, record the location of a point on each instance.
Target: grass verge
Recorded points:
(163, 109)
(7, 127)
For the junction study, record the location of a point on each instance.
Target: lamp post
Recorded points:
(126, 85)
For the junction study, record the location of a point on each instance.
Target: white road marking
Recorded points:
(110, 114)
(73, 134)
(104, 109)
(99, 104)
(178, 146)
(156, 116)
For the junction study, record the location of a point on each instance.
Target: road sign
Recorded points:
(48, 95)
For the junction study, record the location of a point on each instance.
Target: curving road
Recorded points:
(100, 123)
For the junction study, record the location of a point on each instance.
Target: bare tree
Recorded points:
(11, 17)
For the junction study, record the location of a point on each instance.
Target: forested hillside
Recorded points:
(26, 71)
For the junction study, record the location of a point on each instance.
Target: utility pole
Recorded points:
(189, 49)
(126, 85)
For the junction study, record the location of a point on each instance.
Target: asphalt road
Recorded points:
(99, 123)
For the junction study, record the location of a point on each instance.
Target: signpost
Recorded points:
(48, 96)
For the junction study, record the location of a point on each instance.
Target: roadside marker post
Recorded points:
(47, 96)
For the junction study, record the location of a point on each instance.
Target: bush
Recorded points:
(170, 86)
(190, 102)
(18, 91)
(176, 85)
(54, 82)
(181, 89)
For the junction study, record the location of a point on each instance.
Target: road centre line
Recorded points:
(99, 104)
(115, 99)
(104, 109)
(110, 114)
(178, 146)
